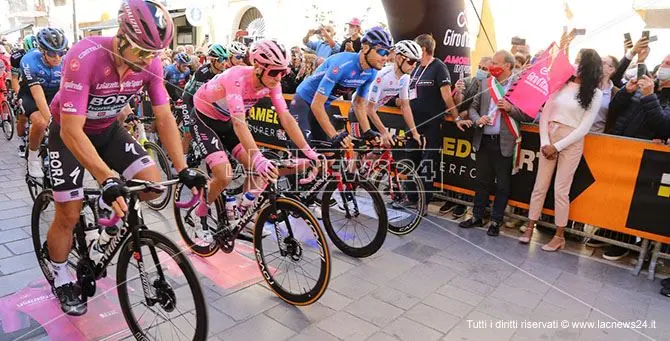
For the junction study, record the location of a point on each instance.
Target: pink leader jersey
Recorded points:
(90, 85)
(231, 93)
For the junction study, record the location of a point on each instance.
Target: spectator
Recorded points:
(291, 81)
(352, 43)
(179, 49)
(430, 99)
(610, 65)
(494, 141)
(325, 46)
(663, 82)
(566, 119)
(638, 113)
(189, 49)
(311, 63)
(641, 49)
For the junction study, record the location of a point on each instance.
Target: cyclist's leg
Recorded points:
(22, 121)
(67, 175)
(127, 157)
(210, 134)
(37, 128)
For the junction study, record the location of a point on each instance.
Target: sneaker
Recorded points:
(494, 229)
(35, 165)
(70, 300)
(470, 223)
(614, 252)
(665, 291)
(459, 211)
(666, 283)
(447, 207)
(513, 223)
(316, 210)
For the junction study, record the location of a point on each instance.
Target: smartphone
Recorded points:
(645, 34)
(580, 31)
(518, 41)
(461, 75)
(627, 39)
(653, 39)
(641, 70)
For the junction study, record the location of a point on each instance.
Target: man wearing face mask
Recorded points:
(495, 140)
(663, 83)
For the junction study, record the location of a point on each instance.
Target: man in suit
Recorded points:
(494, 141)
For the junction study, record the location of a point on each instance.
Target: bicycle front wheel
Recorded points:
(158, 155)
(171, 303)
(294, 259)
(7, 120)
(403, 194)
(357, 223)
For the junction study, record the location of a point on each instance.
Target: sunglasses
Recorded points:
(221, 59)
(276, 72)
(143, 54)
(410, 62)
(53, 54)
(239, 56)
(382, 52)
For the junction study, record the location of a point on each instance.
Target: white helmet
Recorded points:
(409, 49)
(237, 48)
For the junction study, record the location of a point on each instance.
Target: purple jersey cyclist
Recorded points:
(100, 75)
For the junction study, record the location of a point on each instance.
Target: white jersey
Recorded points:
(387, 86)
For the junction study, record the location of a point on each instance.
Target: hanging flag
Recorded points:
(485, 46)
(568, 11)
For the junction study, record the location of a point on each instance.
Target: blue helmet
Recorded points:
(182, 58)
(377, 36)
(52, 39)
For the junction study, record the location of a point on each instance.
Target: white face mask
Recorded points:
(663, 74)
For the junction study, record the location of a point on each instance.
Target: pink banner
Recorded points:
(546, 76)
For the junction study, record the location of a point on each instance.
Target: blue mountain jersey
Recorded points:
(36, 71)
(341, 74)
(175, 77)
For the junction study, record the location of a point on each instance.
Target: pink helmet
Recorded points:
(269, 54)
(146, 24)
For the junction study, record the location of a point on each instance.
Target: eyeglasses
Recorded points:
(55, 54)
(144, 54)
(276, 72)
(382, 52)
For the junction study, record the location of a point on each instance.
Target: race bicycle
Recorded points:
(7, 116)
(154, 278)
(294, 259)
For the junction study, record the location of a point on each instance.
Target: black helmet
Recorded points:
(52, 39)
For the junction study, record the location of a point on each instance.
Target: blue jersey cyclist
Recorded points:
(176, 75)
(341, 74)
(41, 75)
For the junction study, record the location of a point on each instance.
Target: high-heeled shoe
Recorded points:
(560, 245)
(527, 236)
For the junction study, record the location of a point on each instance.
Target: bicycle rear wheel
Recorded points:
(403, 195)
(294, 259)
(176, 304)
(357, 223)
(8, 123)
(158, 155)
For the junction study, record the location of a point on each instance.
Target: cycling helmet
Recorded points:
(269, 54)
(146, 24)
(377, 36)
(409, 49)
(217, 51)
(29, 42)
(52, 39)
(237, 48)
(182, 58)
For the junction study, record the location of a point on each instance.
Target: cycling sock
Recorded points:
(62, 274)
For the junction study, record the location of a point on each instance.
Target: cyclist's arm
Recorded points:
(374, 117)
(360, 109)
(318, 107)
(286, 120)
(169, 135)
(406, 111)
(123, 114)
(242, 132)
(74, 138)
(40, 101)
(15, 83)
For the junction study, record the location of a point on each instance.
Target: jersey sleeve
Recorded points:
(278, 100)
(442, 76)
(155, 87)
(330, 78)
(75, 87)
(364, 89)
(27, 70)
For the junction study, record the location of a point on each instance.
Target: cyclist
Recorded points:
(5, 72)
(220, 121)
(391, 82)
(41, 71)
(176, 75)
(340, 75)
(100, 76)
(217, 56)
(238, 53)
(29, 43)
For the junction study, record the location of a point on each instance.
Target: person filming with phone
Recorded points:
(325, 45)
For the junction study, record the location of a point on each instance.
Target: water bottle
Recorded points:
(231, 210)
(98, 248)
(92, 235)
(247, 201)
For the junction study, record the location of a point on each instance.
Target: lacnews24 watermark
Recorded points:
(560, 324)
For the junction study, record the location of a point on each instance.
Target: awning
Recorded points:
(103, 25)
(655, 17)
(177, 13)
(20, 28)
